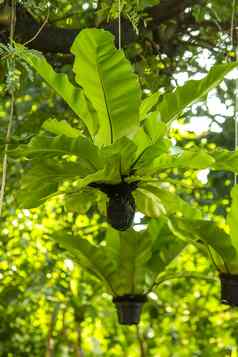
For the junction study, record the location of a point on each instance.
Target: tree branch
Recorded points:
(53, 39)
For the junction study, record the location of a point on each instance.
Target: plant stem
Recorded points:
(11, 115)
(50, 342)
(141, 342)
(182, 275)
(78, 344)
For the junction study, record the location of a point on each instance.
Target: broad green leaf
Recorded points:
(142, 141)
(61, 127)
(149, 155)
(81, 201)
(189, 159)
(92, 258)
(148, 203)
(166, 246)
(232, 218)
(171, 202)
(109, 83)
(154, 127)
(109, 174)
(113, 244)
(60, 82)
(41, 145)
(43, 179)
(148, 104)
(125, 149)
(174, 103)
(198, 231)
(134, 253)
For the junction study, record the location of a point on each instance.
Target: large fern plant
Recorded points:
(219, 243)
(115, 161)
(127, 263)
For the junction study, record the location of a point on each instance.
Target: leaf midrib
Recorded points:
(105, 97)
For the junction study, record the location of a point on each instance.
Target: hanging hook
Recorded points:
(119, 24)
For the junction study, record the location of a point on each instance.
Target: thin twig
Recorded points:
(40, 29)
(141, 342)
(232, 21)
(11, 114)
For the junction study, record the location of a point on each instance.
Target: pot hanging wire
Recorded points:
(11, 73)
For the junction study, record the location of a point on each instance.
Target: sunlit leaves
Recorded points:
(109, 83)
(173, 104)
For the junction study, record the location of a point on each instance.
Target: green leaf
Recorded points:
(113, 244)
(60, 82)
(171, 202)
(232, 218)
(148, 104)
(110, 174)
(125, 149)
(191, 159)
(174, 103)
(141, 140)
(90, 257)
(148, 203)
(61, 127)
(197, 231)
(109, 83)
(166, 246)
(225, 160)
(43, 180)
(149, 155)
(134, 253)
(81, 201)
(154, 127)
(41, 145)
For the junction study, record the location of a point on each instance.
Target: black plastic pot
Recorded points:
(129, 308)
(229, 289)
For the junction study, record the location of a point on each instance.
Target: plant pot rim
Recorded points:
(129, 308)
(227, 277)
(229, 289)
(130, 298)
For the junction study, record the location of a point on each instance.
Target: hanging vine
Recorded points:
(11, 89)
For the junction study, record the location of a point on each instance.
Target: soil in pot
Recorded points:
(229, 289)
(129, 308)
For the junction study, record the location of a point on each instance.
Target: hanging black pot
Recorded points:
(229, 289)
(129, 308)
(121, 204)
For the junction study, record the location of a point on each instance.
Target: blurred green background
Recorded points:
(48, 305)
